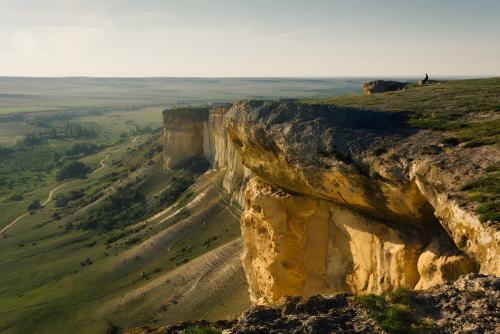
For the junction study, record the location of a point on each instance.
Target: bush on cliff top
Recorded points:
(394, 313)
(486, 191)
(202, 330)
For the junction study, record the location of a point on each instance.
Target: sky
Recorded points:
(249, 38)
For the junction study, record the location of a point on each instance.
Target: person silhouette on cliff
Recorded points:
(426, 79)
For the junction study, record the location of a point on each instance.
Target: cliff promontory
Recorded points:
(359, 194)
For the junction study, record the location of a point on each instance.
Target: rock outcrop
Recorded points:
(182, 140)
(470, 305)
(381, 86)
(326, 210)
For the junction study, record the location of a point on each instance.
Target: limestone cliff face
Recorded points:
(181, 135)
(326, 212)
(296, 245)
(202, 133)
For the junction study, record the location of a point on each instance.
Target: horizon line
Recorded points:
(257, 77)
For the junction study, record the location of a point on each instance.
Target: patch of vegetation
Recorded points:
(446, 106)
(16, 197)
(375, 175)
(486, 191)
(119, 210)
(476, 293)
(394, 313)
(380, 150)
(73, 169)
(202, 330)
(123, 234)
(431, 149)
(63, 199)
(34, 205)
(83, 149)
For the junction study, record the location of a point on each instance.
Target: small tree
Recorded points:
(34, 205)
(73, 169)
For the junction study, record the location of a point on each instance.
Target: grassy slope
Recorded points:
(467, 112)
(44, 288)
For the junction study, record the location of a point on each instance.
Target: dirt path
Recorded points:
(49, 197)
(13, 223)
(101, 163)
(51, 193)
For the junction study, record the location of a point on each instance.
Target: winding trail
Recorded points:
(49, 197)
(101, 163)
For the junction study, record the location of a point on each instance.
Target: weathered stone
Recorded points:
(470, 305)
(296, 245)
(381, 86)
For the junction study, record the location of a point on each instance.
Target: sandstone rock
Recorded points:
(299, 246)
(381, 86)
(441, 263)
(428, 82)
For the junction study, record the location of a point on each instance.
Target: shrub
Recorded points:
(380, 150)
(16, 197)
(375, 175)
(34, 205)
(73, 169)
(64, 199)
(453, 141)
(83, 148)
(202, 330)
(394, 313)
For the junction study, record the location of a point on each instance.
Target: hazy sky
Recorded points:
(249, 37)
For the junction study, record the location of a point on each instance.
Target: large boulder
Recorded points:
(381, 86)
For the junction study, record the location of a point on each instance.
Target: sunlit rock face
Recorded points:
(324, 212)
(181, 137)
(397, 219)
(320, 152)
(297, 245)
(194, 133)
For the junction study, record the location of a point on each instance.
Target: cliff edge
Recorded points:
(358, 194)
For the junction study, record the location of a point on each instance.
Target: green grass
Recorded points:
(45, 289)
(394, 313)
(486, 191)
(202, 330)
(442, 107)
